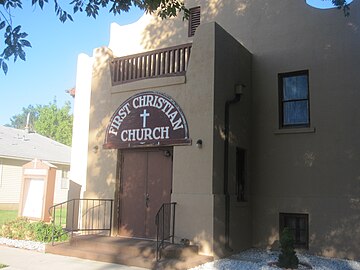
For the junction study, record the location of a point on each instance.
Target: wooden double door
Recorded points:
(145, 184)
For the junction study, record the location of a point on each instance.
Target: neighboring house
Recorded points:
(18, 147)
(246, 116)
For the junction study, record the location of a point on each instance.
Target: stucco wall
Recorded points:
(315, 171)
(232, 69)
(192, 167)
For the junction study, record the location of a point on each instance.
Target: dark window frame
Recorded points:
(194, 20)
(297, 229)
(281, 77)
(241, 160)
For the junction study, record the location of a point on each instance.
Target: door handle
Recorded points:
(147, 199)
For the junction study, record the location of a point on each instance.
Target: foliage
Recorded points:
(7, 215)
(55, 123)
(287, 257)
(3, 265)
(14, 39)
(47, 120)
(19, 120)
(342, 4)
(22, 229)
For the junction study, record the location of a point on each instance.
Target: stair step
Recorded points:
(178, 251)
(115, 245)
(133, 252)
(99, 255)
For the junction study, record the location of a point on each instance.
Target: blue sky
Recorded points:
(323, 4)
(50, 66)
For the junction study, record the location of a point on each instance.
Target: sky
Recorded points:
(50, 66)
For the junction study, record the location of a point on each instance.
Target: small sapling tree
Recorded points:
(287, 257)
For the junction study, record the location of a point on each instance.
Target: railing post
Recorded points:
(73, 218)
(173, 223)
(111, 216)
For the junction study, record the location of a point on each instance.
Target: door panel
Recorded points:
(133, 189)
(158, 186)
(146, 179)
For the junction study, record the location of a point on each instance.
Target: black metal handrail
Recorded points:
(82, 215)
(165, 226)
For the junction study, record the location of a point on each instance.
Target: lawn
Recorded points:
(7, 215)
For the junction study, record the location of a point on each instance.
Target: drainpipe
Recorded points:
(238, 93)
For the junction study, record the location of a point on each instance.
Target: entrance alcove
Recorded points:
(37, 190)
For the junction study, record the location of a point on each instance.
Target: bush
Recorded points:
(22, 229)
(287, 257)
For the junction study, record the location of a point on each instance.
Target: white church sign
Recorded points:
(147, 119)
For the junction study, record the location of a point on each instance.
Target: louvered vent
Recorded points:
(194, 20)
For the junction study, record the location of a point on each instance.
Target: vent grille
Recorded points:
(194, 20)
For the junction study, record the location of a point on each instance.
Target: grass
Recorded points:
(60, 213)
(7, 215)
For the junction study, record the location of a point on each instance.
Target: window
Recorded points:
(194, 20)
(240, 174)
(294, 99)
(298, 224)
(65, 180)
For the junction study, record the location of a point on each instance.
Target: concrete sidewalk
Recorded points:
(20, 259)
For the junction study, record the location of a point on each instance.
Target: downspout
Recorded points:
(238, 93)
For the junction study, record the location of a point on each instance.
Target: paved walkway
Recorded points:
(20, 259)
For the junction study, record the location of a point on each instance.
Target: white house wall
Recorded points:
(10, 181)
(11, 175)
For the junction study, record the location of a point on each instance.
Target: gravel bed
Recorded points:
(31, 245)
(256, 259)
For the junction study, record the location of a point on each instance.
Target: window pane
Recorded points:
(296, 113)
(295, 87)
(302, 237)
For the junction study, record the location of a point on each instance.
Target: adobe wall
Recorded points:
(312, 170)
(232, 68)
(192, 167)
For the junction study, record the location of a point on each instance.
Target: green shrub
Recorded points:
(22, 229)
(287, 257)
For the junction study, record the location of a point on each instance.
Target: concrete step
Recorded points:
(128, 251)
(99, 255)
(130, 246)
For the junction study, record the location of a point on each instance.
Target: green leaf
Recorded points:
(2, 25)
(70, 18)
(22, 55)
(23, 35)
(4, 67)
(17, 29)
(25, 43)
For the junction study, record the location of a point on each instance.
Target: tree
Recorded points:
(47, 120)
(287, 257)
(19, 120)
(55, 123)
(14, 38)
(15, 41)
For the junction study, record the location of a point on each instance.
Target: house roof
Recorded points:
(23, 145)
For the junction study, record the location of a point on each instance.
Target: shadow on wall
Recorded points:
(161, 34)
(164, 33)
(336, 237)
(256, 18)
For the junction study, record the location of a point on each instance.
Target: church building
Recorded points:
(236, 123)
